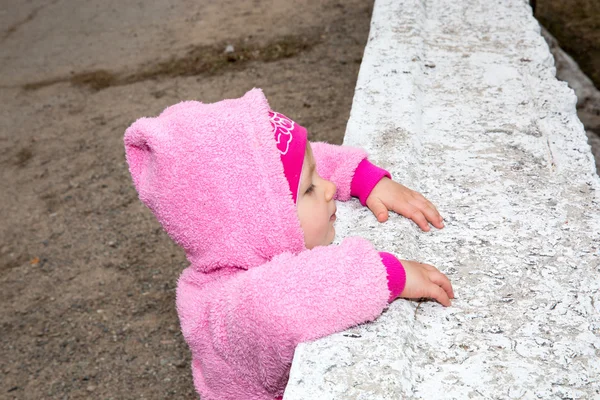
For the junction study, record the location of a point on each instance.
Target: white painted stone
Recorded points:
(459, 100)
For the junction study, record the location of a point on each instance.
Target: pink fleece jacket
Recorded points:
(211, 174)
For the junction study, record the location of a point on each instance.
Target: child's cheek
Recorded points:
(332, 235)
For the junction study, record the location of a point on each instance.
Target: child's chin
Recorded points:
(332, 236)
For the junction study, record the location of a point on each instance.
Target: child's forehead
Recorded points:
(307, 166)
(308, 154)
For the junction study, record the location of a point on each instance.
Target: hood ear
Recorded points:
(138, 151)
(257, 96)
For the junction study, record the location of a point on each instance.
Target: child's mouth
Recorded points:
(333, 217)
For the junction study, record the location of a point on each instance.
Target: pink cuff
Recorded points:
(365, 178)
(395, 273)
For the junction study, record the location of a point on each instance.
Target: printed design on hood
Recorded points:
(283, 127)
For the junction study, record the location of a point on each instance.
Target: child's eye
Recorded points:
(310, 189)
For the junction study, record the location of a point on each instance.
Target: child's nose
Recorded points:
(330, 190)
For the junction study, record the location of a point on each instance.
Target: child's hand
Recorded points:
(390, 195)
(424, 280)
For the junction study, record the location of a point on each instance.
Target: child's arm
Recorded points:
(297, 298)
(253, 320)
(338, 164)
(301, 297)
(354, 175)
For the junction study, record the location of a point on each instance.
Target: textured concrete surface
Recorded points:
(459, 100)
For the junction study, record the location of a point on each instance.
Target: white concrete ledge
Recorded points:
(458, 99)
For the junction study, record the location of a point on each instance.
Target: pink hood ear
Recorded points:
(212, 175)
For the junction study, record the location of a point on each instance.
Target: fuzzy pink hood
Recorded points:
(175, 160)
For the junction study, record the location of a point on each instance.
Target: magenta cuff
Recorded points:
(395, 273)
(365, 178)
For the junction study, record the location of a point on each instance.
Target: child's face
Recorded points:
(315, 205)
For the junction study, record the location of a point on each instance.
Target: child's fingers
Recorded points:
(428, 209)
(419, 219)
(432, 214)
(439, 224)
(442, 281)
(382, 216)
(434, 217)
(440, 295)
(422, 215)
(378, 209)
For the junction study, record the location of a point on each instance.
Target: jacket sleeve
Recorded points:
(349, 169)
(256, 318)
(338, 164)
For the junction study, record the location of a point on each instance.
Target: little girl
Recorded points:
(251, 202)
